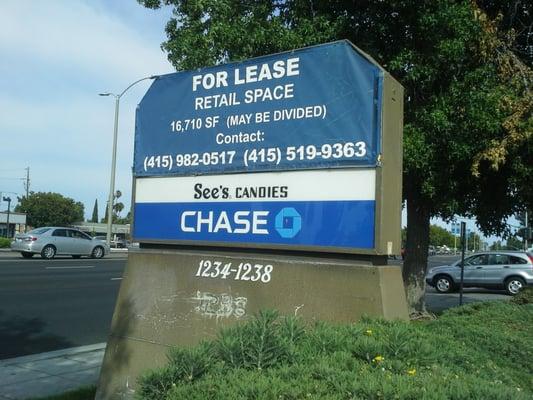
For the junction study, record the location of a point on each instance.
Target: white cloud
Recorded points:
(56, 57)
(70, 34)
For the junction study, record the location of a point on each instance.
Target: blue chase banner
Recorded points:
(262, 152)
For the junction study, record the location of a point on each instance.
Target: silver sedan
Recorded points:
(52, 241)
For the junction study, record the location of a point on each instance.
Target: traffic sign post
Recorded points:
(270, 183)
(463, 245)
(456, 231)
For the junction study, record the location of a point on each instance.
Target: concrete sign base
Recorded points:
(180, 297)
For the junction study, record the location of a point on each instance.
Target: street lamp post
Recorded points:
(114, 156)
(8, 199)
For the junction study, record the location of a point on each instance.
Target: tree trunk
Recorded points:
(416, 254)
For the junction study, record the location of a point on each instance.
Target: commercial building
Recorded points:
(119, 231)
(17, 223)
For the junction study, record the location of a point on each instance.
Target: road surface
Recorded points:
(55, 304)
(61, 303)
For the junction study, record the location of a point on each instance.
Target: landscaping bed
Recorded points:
(479, 351)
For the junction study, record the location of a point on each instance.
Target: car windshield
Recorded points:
(39, 231)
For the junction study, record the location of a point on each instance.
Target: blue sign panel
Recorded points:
(309, 208)
(456, 228)
(348, 223)
(318, 107)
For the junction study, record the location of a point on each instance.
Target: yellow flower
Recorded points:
(411, 372)
(378, 359)
(368, 332)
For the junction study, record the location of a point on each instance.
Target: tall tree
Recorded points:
(117, 205)
(439, 236)
(104, 220)
(95, 211)
(126, 220)
(514, 18)
(514, 243)
(50, 209)
(468, 110)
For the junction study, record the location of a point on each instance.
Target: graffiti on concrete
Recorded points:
(219, 305)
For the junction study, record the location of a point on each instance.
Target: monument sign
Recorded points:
(282, 151)
(269, 183)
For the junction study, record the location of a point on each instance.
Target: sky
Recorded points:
(56, 56)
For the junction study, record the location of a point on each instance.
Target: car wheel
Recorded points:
(25, 254)
(98, 252)
(443, 284)
(48, 252)
(513, 285)
(76, 256)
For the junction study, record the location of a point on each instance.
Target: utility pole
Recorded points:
(27, 183)
(114, 157)
(526, 233)
(8, 199)
(27, 187)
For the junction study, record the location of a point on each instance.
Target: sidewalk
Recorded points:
(50, 373)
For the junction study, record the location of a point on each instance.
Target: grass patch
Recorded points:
(525, 296)
(479, 351)
(5, 243)
(85, 393)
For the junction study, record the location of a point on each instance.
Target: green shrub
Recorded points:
(265, 341)
(479, 351)
(185, 366)
(4, 243)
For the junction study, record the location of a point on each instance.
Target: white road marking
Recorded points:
(116, 279)
(80, 267)
(55, 260)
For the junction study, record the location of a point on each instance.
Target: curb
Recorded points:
(121, 250)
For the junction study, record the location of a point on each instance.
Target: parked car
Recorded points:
(52, 241)
(443, 250)
(119, 243)
(510, 270)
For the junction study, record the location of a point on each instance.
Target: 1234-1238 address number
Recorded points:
(244, 271)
